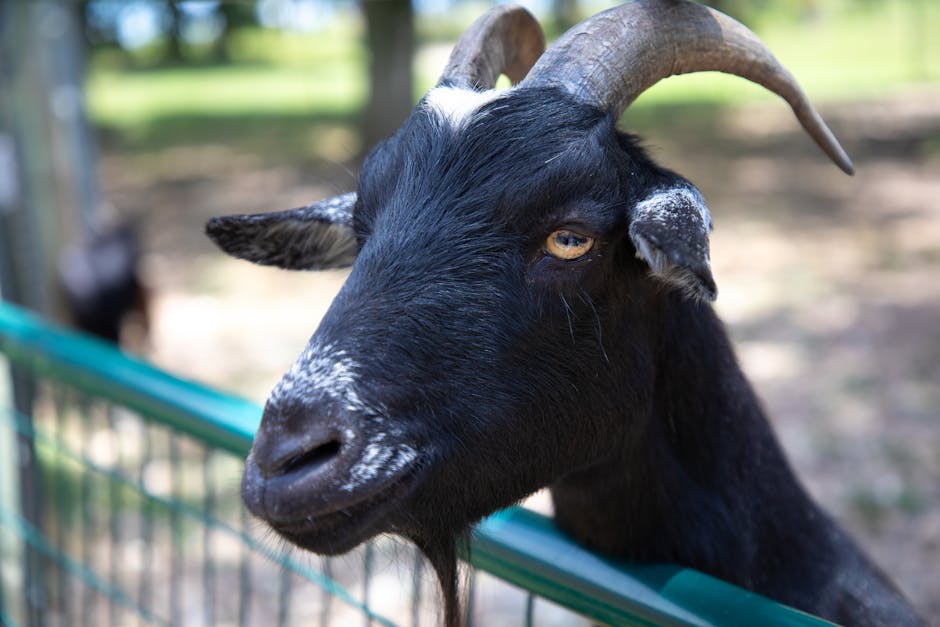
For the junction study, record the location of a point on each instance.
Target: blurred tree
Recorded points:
(42, 113)
(390, 37)
(564, 14)
(47, 196)
(174, 34)
(187, 30)
(235, 16)
(206, 25)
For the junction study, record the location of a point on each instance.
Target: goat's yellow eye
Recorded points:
(566, 244)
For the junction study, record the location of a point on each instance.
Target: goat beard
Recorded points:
(441, 551)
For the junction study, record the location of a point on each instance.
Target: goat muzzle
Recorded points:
(320, 480)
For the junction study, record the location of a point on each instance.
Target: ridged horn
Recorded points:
(610, 59)
(505, 40)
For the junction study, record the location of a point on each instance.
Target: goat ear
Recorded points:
(316, 237)
(670, 230)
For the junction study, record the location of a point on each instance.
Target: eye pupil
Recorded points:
(565, 244)
(568, 239)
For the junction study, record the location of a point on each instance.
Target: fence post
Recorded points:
(48, 195)
(11, 556)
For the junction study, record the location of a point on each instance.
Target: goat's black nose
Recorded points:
(302, 462)
(293, 441)
(307, 455)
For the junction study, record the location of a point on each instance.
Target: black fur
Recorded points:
(508, 370)
(313, 237)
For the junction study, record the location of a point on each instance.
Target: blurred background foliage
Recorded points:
(160, 71)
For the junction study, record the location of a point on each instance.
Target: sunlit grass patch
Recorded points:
(126, 99)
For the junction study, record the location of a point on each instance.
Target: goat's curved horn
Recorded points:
(610, 59)
(506, 40)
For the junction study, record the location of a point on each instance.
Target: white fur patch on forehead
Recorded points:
(455, 105)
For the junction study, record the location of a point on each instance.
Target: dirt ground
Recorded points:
(827, 283)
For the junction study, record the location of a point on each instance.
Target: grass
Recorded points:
(130, 99)
(278, 80)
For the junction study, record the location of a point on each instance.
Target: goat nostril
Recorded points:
(311, 459)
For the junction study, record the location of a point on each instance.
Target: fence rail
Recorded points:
(87, 392)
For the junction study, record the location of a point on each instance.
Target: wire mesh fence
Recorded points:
(120, 506)
(142, 524)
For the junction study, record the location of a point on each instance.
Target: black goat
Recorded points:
(526, 309)
(101, 283)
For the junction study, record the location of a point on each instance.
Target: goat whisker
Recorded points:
(568, 313)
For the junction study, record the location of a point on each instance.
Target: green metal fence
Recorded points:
(119, 505)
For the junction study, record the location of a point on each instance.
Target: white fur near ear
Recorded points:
(670, 230)
(673, 205)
